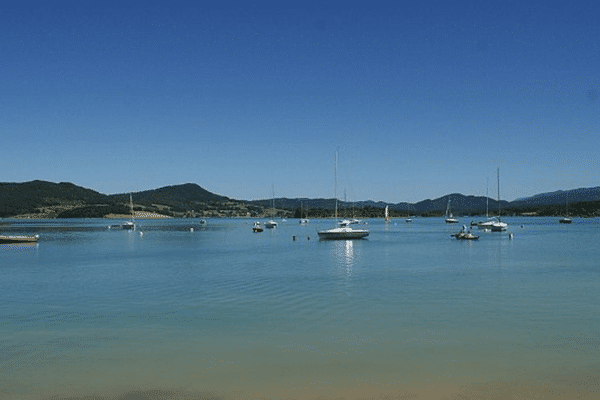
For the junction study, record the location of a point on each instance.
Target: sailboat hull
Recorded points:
(18, 239)
(343, 234)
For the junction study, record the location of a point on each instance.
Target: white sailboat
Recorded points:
(449, 217)
(303, 221)
(487, 224)
(497, 225)
(387, 214)
(566, 219)
(130, 225)
(270, 224)
(342, 232)
(18, 239)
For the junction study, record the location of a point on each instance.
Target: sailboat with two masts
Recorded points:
(342, 232)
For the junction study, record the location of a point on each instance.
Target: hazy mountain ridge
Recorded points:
(48, 199)
(559, 196)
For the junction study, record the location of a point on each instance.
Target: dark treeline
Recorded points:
(585, 209)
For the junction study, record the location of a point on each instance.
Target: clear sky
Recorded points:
(422, 99)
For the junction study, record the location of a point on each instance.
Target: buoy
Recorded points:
(191, 229)
(510, 235)
(141, 233)
(294, 238)
(308, 238)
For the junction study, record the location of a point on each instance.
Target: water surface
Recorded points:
(216, 310)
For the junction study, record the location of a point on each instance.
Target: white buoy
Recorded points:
(191, 229)
(141, 233)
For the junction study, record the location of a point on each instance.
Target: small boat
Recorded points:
(497, 225)
(386, 215)
(272, 224)
(130, 225)
(488, 223)
(464, 234)
(5, 239)
(566, 219)
(257, 227)
(303, 221)
(449, 217)
(342, 232)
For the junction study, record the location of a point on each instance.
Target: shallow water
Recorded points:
(223, 312)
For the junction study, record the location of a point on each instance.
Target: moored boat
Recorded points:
(257, 227)
(566, 219)
(4, 239)
(449, 217)
(342, 232)
(130, 225)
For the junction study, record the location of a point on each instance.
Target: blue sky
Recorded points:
(420, 99)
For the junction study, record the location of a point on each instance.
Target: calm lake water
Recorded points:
(222, 312)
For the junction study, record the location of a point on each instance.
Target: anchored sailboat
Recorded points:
(130, 225)
(271, 223)
(449, 217)
(343, 232)
(566, 219)
(498, 226)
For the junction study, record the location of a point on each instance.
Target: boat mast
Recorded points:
(335, 184)
(487, 197)
(273, 204)
(131, 206)
(498, 193)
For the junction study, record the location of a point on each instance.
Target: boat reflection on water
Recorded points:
(20, 246)
(345, 256)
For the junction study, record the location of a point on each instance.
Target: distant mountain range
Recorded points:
(51, 199)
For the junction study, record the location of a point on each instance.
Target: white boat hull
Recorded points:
(18, 239)
(343, 234)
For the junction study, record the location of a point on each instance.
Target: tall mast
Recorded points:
(273, 206)
(487, 198)
(498, 193)
(335, 184)
(131, 206)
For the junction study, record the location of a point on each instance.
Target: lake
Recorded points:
(199, 311)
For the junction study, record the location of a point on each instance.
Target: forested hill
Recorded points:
(176, 195)
(42, 199)
(31, 197)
